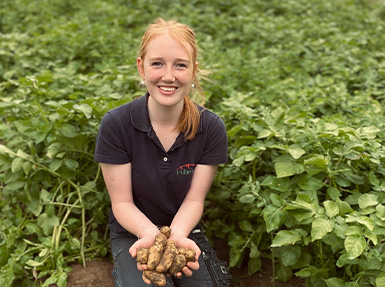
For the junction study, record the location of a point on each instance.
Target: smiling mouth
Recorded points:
(168, 89)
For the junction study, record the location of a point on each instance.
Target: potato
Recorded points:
(178, 264)
(142, 255)
(154, 256)
(168, 257)
(166, 231)
(161, 238)
(181, 250)
(157, 278)
(164, 258)
(190, 255)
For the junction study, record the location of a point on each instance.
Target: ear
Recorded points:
(196, 67)
(139, 64)
(195, 70)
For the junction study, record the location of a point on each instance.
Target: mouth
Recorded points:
(168, 88)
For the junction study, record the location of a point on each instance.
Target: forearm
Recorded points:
(133, 220)
(187, 217)
(191, 210)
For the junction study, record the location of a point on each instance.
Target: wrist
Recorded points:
(147, 230)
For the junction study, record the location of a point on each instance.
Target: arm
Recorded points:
(118, 182)
(193, 204)
(191, 210)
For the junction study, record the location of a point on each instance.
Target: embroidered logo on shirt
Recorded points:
(186, 169)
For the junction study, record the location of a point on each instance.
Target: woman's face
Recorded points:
(167, 70)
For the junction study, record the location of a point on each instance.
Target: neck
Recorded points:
(164, 115)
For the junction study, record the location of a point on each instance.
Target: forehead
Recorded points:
(163, 45)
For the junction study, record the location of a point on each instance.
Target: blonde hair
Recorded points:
(190, 117)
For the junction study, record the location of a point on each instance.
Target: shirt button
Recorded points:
(165, 159)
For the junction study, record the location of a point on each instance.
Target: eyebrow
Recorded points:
(176, 60)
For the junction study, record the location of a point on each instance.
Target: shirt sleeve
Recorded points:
(110, 147)
(215, 150)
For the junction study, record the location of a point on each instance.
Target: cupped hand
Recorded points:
(146, 241)
(181, 241)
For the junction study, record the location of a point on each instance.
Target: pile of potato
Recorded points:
(163, 258)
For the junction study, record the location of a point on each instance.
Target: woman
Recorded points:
(159, 155)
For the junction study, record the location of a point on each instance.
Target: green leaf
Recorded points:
(335, 282)
(370, 132)
(367, 200)
(254, 265)
(296, 151)
(17, 164)
(286, 166)
(68, 131)
(286, 237)
(331, 208)
(317, 161)
(366, 221)
(290, 255)
(85, 109)
(47, 223)
(247, 198)
(239, 161)
(53, 150)
(333, 192)
(55, 164)
(5, 150)
(371, 235)
(71, 164)
(34, 263)
(246, 226)
(343, 207)
(310, 183)
(380, 211)
(380, 280)
(354, 246)
(283, 273)
(320, 227)
(274, 217)
(27, 166)
(307, 272)
(264, 134)
(353, 230)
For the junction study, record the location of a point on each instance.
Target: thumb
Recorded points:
(132, 250)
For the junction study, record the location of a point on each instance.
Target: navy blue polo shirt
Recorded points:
(160, 179)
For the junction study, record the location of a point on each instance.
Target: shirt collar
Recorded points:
(139, 114)
(140, 118)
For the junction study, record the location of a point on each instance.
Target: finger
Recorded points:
(141, 267)
(132, 251)
(193, 265)
(187, 271)
(178, 275)
(146, 280)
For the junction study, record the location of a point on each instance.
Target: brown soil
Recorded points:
(98, 273)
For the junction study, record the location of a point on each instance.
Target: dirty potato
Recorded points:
(166, 231)
(168, 257)
(178, 264)
(154, 256)
(161, 238)
(157, 278)
(190, 255)
(142, 255)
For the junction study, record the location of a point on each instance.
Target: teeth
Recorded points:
(167, 89)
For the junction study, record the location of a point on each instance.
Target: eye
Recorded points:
(181, 65)
(156, 64)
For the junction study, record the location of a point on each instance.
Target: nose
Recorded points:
(168, 75)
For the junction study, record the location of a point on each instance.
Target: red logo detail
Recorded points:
(185, 169)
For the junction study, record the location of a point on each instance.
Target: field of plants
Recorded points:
(300, 85)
